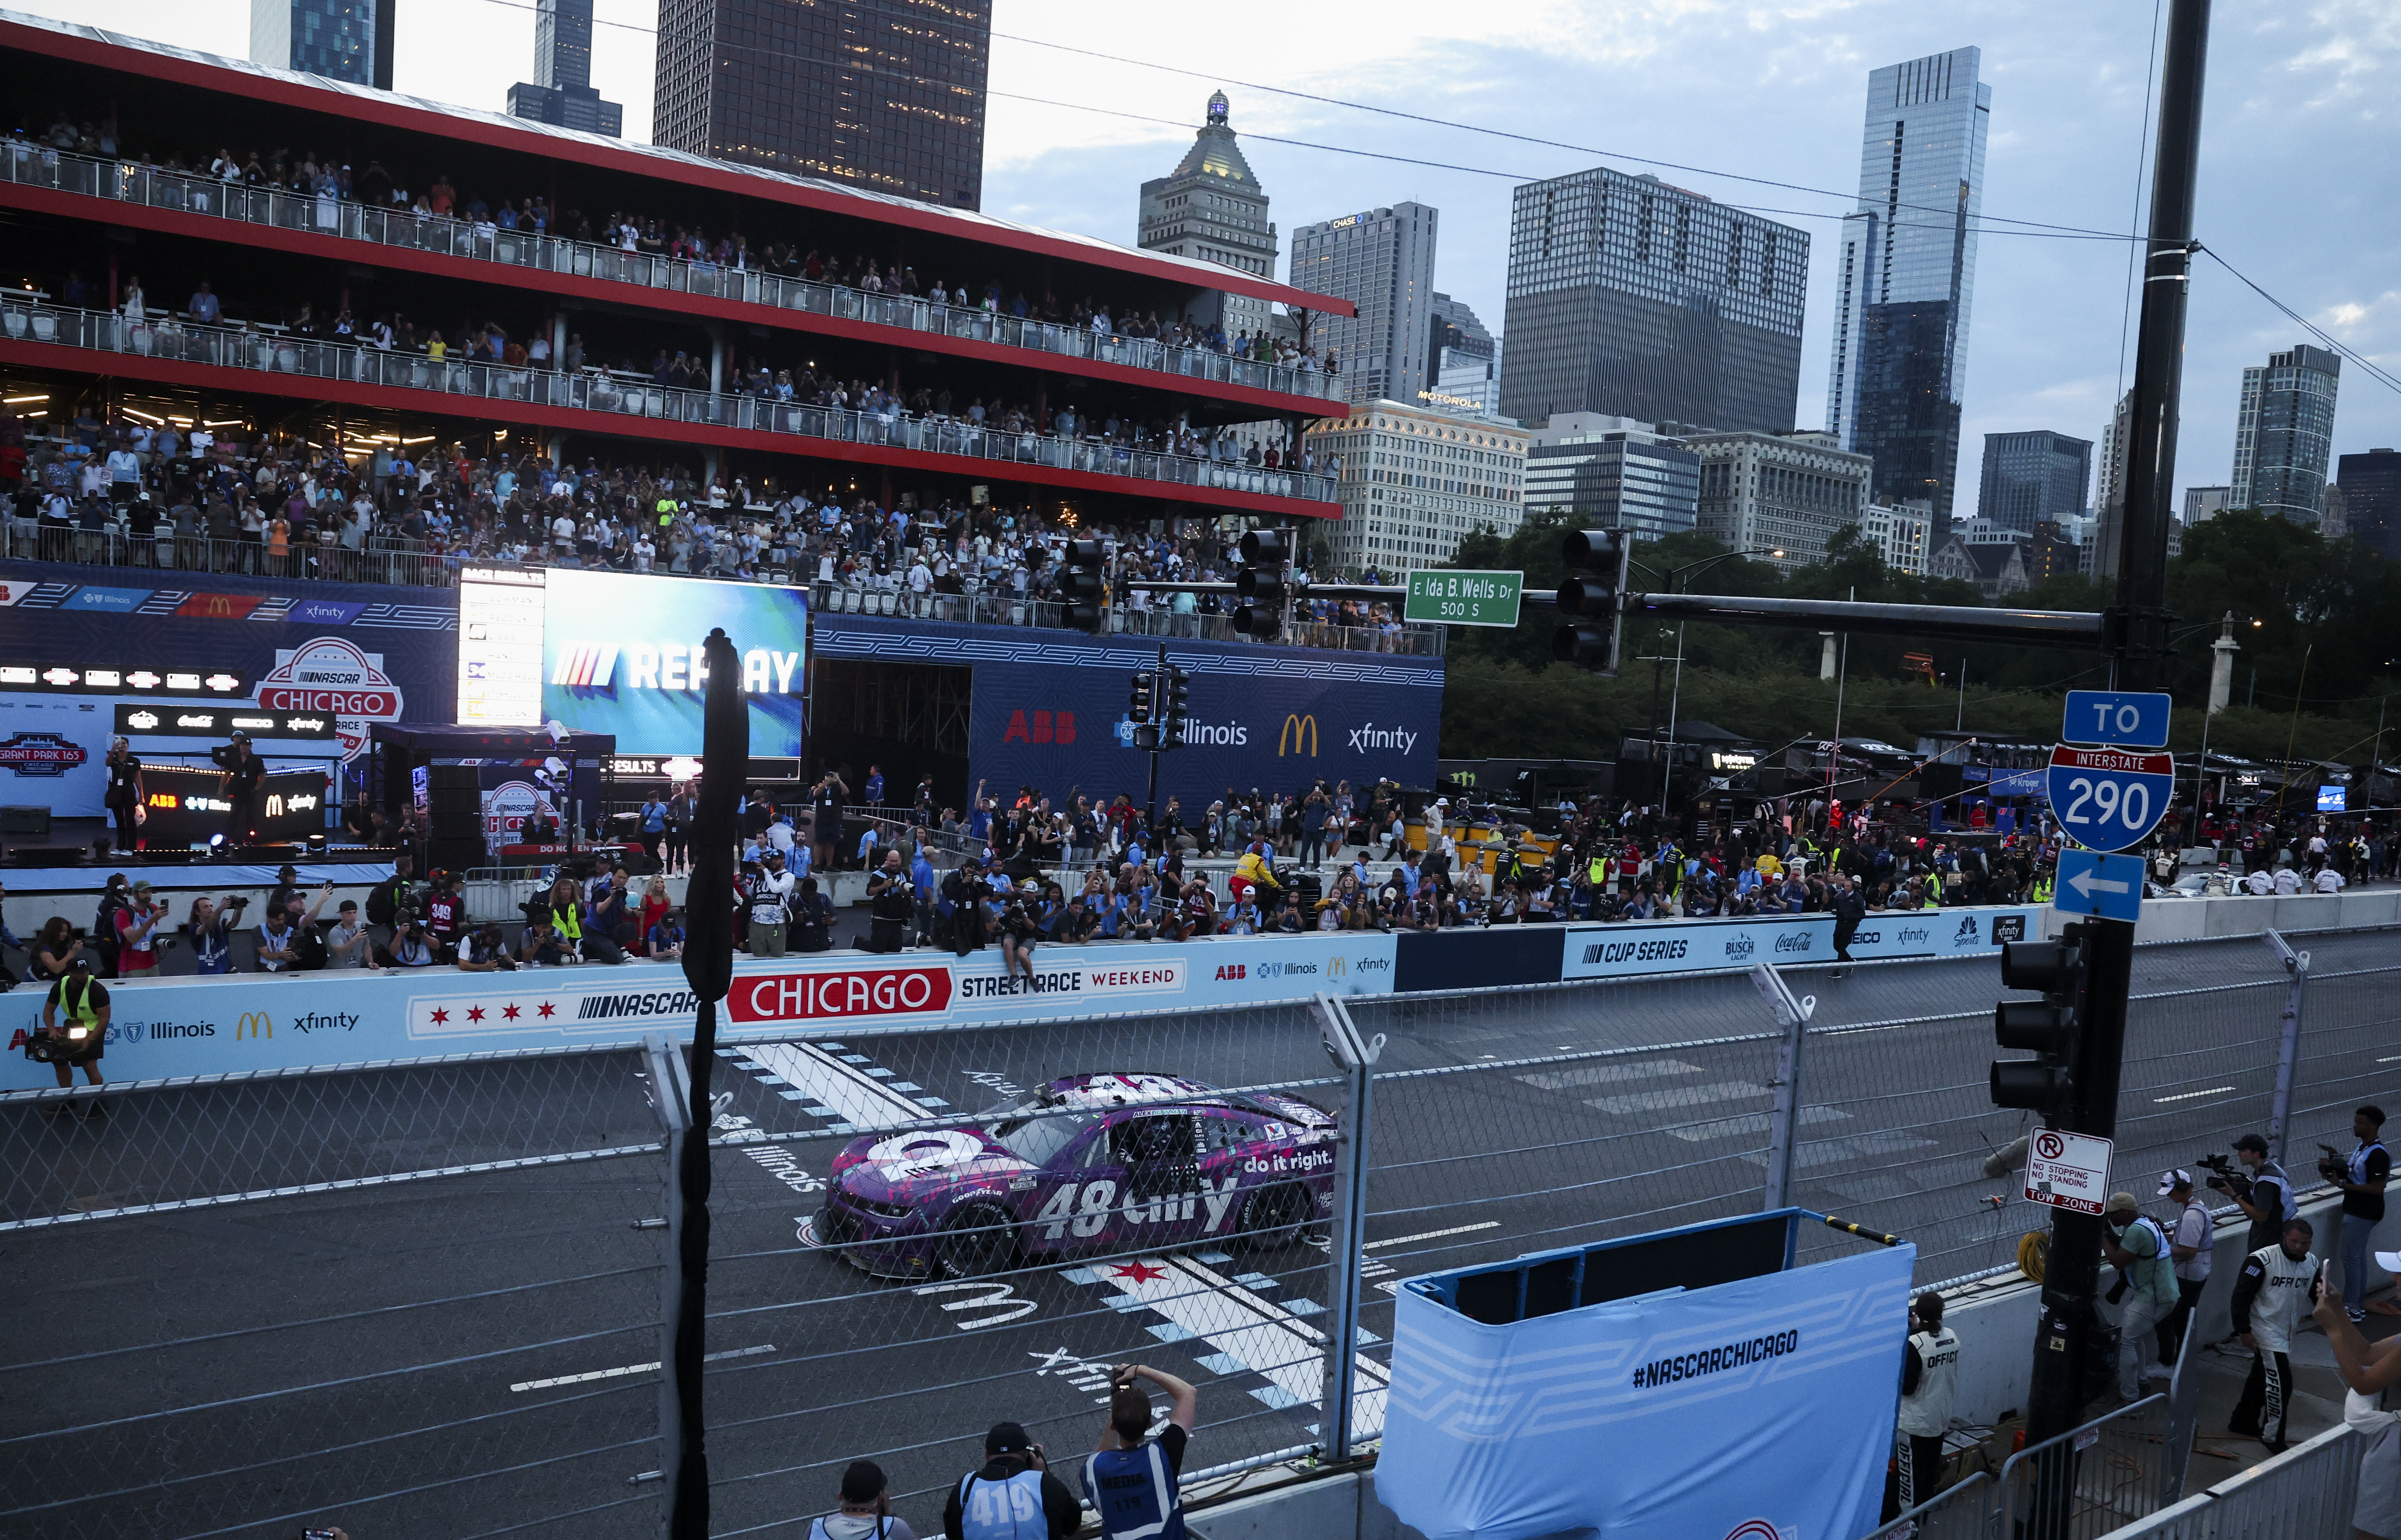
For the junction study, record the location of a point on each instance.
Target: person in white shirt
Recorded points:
(2328, 881)
(644, 554)
(562, 533)
(2288, 881)
(2258, 883)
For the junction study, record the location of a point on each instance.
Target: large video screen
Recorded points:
(609, 652)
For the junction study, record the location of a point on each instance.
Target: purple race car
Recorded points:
(1088, 1163)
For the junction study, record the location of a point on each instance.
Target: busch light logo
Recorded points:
(1740, 947)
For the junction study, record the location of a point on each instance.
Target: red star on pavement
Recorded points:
(474, 1013)
(1140, 1273)
(440, 1016)
(548, 1010)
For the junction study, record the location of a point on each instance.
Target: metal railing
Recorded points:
(998, 608)
(2305, 1493)
(123, 182)
(117, 544)
(2087, 1481)
(612, 396)
(1961, 1511)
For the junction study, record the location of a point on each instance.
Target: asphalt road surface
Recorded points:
(463, 1357)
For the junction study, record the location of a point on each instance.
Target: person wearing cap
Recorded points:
(123, 797)
(349, 944)
(2277, 1283)
(1013, 1495)
(962, 902)
(137, 927)
(76, 1014)
(1131, 1478)
(2362, 1178)
(2268, 1202)
(1930, 1383)
(771, 904)
(866, 1512)
(2138, 1248)
(2196, 1234)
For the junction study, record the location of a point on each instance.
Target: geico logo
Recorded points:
(1296, 730)
(254, 1024)
(1867, 938)
(1041, 727)
(1232, 970)
(1233, 735)
(1373, 737)
(865, 992)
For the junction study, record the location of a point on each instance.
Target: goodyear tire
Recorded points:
(977, 1238)
(1274, 1219)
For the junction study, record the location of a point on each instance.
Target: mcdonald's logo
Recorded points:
(219, 606)
(1338, 966)
(1295, 730)
(254, 1024)
(275, 804)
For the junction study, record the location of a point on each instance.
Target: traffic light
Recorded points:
(1260, 586)
(2048, 1027)
(1081, 586)
(1174, 707)
(1591, 599)
(1142, 707)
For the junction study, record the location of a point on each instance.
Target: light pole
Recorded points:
(1674, 580)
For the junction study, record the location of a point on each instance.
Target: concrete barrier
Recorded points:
(2238, 915)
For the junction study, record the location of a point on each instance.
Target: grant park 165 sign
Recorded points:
(1464, 598)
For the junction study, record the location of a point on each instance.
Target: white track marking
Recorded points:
(1432, 1235)
(627, 1370)
(852, 1096)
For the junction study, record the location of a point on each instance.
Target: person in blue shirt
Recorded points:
(654, 824)
(1131, 1478)
(211, 928)
(875, 787)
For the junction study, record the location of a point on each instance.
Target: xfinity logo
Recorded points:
(326, 1022)
(1373, 737)
(666, 665)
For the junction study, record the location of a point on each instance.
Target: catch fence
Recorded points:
(429, 1298)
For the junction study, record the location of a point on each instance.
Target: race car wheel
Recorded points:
(1274, 1217)
(977, 1239)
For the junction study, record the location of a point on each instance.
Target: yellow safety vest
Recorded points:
(77, 1003)
(569, 925)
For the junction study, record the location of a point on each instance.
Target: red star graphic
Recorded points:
(440, 1016)
(474, 1013)
(509, 1013)
(548, 1010)
(1140, 1273)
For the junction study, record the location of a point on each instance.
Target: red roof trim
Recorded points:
(391, 112)
(51, 357)
(633, 295)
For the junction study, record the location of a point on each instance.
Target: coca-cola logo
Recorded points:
(840, 992)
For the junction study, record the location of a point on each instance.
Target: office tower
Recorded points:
(2370, 485)
(2203, 503)
(1906, 275)
(1381, 260)
(1786, 492)
(2110, 490)
(1415, 479)
(885, 95)
(561, 91)
(1899, 534)
(2034, 478)
(1614, 473)
(1464, 360)
(339, 39)
(2284, 431)
(1212, 207)
(1632, 298)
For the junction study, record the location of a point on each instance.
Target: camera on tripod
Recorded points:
(2227, 1176)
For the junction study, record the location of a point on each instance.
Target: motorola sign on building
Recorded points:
(1414, 481)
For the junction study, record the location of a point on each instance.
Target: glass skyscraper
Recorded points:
(339, 39)
(1381, 260)
(2034, 478)
(1907, 274)
(560, 91)
(2284, 432)
(1634, 299)
(885, 95)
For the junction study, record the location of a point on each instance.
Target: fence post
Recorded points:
(1792, 1013)
(671, 1095)
(2288, 1048)
(1356, 1057)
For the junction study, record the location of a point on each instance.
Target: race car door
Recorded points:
(1162, 1174)
(1227, 1137)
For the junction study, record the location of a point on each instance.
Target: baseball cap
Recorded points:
(863, 1482)
(141, 885)
(2170, 1180)
(1006, 1438)
(2121, 1203)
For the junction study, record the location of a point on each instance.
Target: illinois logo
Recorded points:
(330, 675)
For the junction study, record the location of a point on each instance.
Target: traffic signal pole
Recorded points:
(2136, 631)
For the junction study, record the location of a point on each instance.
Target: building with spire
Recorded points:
(561, 90)
(1212, 207)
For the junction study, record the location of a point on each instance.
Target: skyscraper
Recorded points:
(1614, 473)
(339, 39)
(2034, 478)
(2284, 431)
(1632, 298)
(1464, 360)
(2370, 485)
(1381, 260)
(885, 95)
(1212, 207)
(1906, 276)
(560, 91)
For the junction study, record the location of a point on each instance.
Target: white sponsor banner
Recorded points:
(173, 1027)
(1941, 932)
(1692, 945)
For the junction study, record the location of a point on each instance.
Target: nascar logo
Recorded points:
(584, 664)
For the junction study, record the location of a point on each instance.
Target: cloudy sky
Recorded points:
(2300, 156)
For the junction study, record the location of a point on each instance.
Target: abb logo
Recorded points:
(1045, 727)
(1233, 970)
(850, 992)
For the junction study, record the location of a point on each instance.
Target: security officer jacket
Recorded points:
(2270, 1296)
(1929, 1382)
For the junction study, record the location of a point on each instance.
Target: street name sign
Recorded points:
(2067, 1170)
(1464, 598)
(2098, 886)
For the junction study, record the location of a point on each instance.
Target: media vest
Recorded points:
(1134, 1491)
(1925, 1411)
(1003, 1510)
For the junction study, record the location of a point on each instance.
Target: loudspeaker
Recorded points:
(441, 778)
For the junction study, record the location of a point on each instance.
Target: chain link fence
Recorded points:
(426, 1298)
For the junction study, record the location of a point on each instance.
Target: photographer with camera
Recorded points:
(486, 950)
(137, 933)
(210, 926)
(891, 905)
(1011, 1493)
(74, 1031)
(2138, 1248)
(1131, 1477)
(2193, 1239)
(412, 947)
(2277, 1284)
(2261, 1190)
(2360, 1177)
(771, 904)
(963, 896)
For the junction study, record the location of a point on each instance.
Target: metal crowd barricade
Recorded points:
(1961, 1511)
(2090, 1481)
